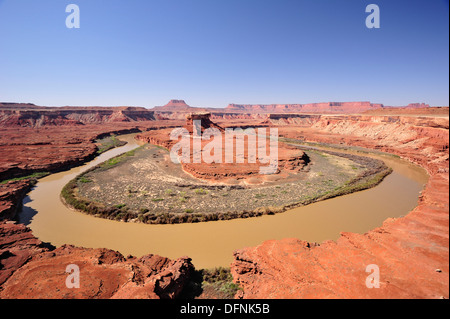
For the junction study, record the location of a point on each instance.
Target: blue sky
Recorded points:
(214, 52)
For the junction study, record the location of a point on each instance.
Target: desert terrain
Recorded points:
(411, 251)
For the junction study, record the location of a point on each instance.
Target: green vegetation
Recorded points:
(359, 184)
(84, 179)
(157, 199)
(214, 283)
(118, 159)
(220, 281)
(33, 176)
(201, 191)
(108, 143)
(183, 197)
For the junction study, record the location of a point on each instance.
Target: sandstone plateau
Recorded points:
(412, 252)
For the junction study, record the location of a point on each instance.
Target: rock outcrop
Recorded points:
(11, 195)
(31, 270)
(204, 119)
(17, 247)
(412, 252)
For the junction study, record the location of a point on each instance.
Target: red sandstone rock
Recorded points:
(204, 119)
(11, 194)
(407, 250)
(290, 159)
(17, 246)
(29, 270)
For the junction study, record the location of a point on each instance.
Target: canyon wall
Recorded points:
(411, 253)
(71, 116)
(326, 107)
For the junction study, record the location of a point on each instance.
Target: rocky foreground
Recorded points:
(31, 269)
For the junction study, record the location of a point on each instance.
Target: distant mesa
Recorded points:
(417, 105)
(174, 105)
(325, 107)
(177, 103)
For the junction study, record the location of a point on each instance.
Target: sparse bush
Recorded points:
(84, 179)
(201, 191)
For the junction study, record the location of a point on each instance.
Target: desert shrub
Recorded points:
(33, 176)
(84, 179)
(201, 191)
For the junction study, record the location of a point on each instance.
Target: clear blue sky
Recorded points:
(215, 52)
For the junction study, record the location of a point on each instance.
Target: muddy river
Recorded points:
(211, 244)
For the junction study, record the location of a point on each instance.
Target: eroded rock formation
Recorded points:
(51, 116)
(31, 270)
(411, 252)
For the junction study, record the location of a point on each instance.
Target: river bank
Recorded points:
(211, 244)
(144, 186)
